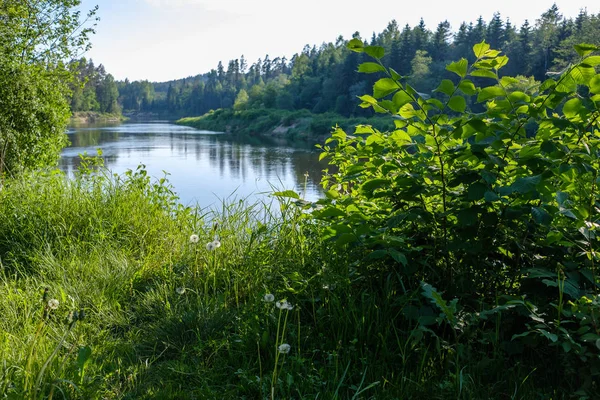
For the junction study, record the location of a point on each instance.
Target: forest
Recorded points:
(325, 78)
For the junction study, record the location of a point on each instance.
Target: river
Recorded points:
(203, 167)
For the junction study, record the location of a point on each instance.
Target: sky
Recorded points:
(162, 40)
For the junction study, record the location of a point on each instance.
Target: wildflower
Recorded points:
(284, 305)
(215, 244)
(194, 239)
(180, 290)
(284, 348)
(269, 298)
(53, 304)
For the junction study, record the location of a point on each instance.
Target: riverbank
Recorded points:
(93, 117)
(289, 125)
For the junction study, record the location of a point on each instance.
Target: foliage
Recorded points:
(35, 40)
(93, 89)
(489, 193)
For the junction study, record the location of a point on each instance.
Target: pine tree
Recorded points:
(495, 32)
(440, 44)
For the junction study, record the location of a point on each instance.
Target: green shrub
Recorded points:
(495, 229)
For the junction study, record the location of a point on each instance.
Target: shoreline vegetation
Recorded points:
(284, 124)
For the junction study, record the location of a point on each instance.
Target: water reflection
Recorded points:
(203, 166)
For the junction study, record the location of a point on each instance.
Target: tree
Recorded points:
(420, 69)
(37, 38)
(241, 100)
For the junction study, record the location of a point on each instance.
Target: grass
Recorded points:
(167, 318)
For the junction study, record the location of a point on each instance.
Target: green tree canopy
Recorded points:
(36, 39)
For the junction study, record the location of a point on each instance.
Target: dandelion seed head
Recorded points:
(194, 239)
(210, 246)
(269, 298)
(284, 348)
(284, 305)
(180, 290)
(216, 244)
(53, 304)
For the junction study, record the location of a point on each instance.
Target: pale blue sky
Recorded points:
(168, 39)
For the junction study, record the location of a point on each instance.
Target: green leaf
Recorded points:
(519, 96)
(374, 184)
(458, 104)
(476, 191)
(370, 68)
(489, 93)
(384, 86)
(592, 61)
(375, 51)
(551, 336)
(431, 293)
(500, 62)
(401, 98)
(83, 356)
(484, 73)
(330, 212)
(490, 197)
(527, 184)
(368, 99)
(480, 48)
(595, 84)
(446, 87)
(407, 111)
(287, 193)
(571, 108)
(401, 136)
(584, 49)
(356, 45)
(467, 87)
(459, 67)
(398, 256)
(541, 216)
(345, 238)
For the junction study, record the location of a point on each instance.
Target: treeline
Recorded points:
(92, 89)
(325, 79)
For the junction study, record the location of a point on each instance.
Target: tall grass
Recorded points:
(168, 318)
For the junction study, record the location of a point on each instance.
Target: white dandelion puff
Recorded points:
(210, 246)
(269, 298)
(284, 348)
(194, 239)
(53, 304)
(284, 305)
(216, 243)
(180, 290)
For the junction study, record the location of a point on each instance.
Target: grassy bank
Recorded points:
(92, 117)
(291, 125)
(166, 316)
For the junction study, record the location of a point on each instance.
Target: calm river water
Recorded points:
(203, 167)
